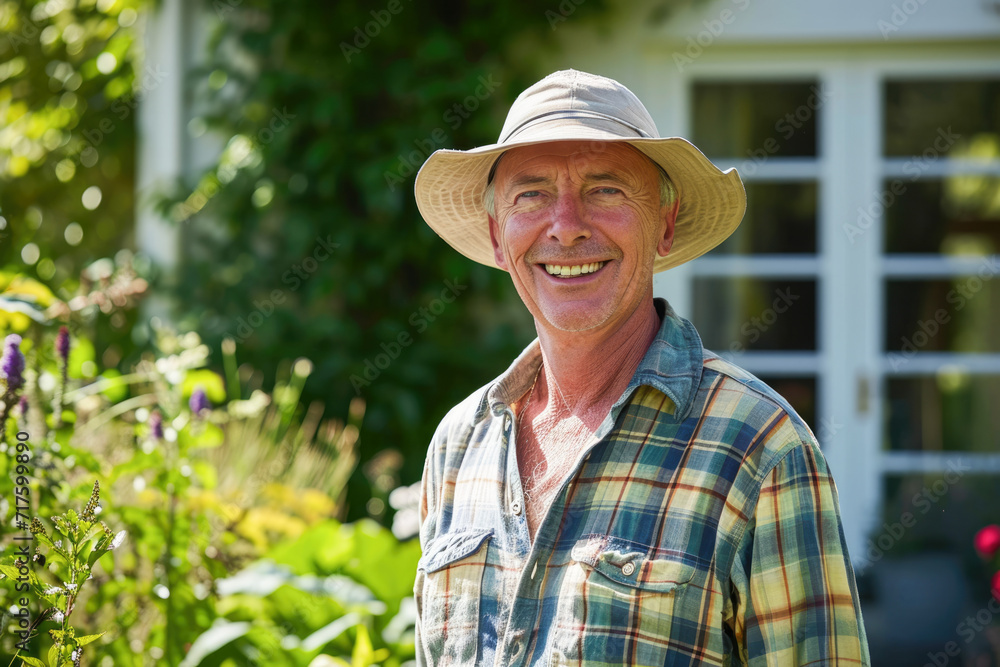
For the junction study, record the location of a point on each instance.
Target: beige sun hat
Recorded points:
(576, 106)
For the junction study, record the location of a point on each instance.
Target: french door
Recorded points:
(864, 282)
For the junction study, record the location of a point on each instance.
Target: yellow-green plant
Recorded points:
(68, 562)
(205, 472)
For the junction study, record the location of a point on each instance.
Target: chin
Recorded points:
(581, 317)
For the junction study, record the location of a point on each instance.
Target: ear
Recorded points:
(666, 241)
(497, 250)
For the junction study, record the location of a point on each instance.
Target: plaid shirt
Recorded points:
(703, 528)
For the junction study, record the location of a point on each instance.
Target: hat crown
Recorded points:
(569, 95)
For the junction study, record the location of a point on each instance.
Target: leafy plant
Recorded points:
(339, 594)
(69, 82)
(69, 559)
(205, 472)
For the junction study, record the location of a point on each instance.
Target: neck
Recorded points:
(584, 372)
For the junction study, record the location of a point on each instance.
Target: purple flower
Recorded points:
(62, 344)
(199, 401)
(156, 425)
(23, 405)
(12, 363)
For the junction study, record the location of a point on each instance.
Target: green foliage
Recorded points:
(325, 128)
(317, 599)
(68, 92)
(199, 495)
(82, 542)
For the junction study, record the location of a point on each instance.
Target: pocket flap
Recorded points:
(623, 563)
(453, 546)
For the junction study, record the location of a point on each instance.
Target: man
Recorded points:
(619, 496)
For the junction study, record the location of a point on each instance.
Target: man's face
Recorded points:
(590, 209)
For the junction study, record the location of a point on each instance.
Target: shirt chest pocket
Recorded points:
(618, 606)
(447, 592)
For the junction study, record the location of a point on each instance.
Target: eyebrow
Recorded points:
(529, 180)
(521, 181)
(606, 176)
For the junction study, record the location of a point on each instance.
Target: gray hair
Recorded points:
(668, 191)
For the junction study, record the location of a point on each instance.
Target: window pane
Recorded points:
(959, 215)
(948, 412)
(960, 118)
(960, 314)
(800, 392)
(756, 120)
(780, 218)
(738, 314)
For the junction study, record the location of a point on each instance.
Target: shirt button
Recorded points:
(515, 507)
(628, 569)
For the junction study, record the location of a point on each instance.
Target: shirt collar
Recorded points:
(672, 365)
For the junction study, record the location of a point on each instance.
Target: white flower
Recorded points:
(251, 407)
(119, 538)
(58, 617)
(71, 587)
(53, 590)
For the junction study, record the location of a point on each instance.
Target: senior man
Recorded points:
(618, 496)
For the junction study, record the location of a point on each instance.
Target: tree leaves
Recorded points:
(342, 167)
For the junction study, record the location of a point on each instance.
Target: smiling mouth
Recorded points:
(572, 270)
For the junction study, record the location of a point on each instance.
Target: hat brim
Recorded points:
(450, 186)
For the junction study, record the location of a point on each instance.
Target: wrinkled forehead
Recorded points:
(558, 156)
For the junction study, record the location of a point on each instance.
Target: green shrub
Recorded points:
(186, 478)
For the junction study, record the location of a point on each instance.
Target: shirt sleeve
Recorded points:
(793, 586)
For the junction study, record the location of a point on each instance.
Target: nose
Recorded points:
(566, 224)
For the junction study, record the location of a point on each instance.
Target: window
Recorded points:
(755, 296)
(940, 205)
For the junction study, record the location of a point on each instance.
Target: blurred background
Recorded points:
(215, 199)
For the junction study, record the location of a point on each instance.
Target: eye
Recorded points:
(608, 191)
(531, 194)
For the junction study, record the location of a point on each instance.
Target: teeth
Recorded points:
(576, 270)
